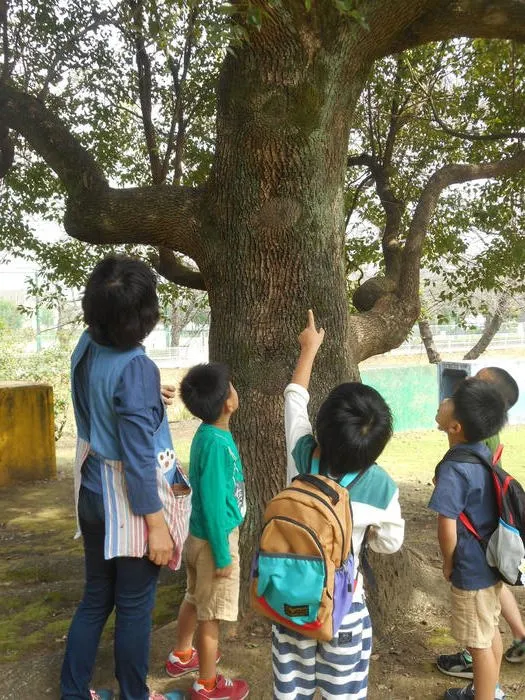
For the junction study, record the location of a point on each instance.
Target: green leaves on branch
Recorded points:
(431, 107)
(349, 9)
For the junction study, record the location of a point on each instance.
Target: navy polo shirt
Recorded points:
(465, 487)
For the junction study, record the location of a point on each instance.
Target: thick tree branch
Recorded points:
(428, 341)
(163, 216)
(384, 327)
(492, 325)
(439, 21)
(173, 269)
(52, 140)
(444, 177)
(95, 213)
(393, 208)
(389, 321)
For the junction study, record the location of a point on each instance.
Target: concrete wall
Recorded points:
(451, 372)
(411, 392)
(27, 432)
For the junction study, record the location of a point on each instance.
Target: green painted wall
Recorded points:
(411, 392)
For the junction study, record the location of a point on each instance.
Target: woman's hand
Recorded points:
(160, 543)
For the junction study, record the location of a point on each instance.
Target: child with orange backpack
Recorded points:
(353, 426)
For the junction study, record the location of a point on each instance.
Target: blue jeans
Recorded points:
(127, 584)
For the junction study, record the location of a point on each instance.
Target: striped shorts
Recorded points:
(339, 668)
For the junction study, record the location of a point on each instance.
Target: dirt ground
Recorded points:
(41, 582)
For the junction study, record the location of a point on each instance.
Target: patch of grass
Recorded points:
(441, 638)
(414, 455)
(27, 628)
(182, 449)
(169, 597)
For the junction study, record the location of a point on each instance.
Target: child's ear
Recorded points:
(229, 404)
(454, 428)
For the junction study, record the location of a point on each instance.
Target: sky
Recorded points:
(14, 272)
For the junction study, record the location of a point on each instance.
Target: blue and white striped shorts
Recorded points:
(339, 668)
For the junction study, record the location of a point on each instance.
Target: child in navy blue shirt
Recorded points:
(474, 412)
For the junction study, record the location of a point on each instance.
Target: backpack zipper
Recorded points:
(309, 493)
(309, 531)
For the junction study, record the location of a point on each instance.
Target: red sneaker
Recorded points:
(177, 668)
(225, 689)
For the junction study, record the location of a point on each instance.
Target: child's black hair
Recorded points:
(120, 302)
(480, 409)
(204, 390)
(505, 384)
(353, 426)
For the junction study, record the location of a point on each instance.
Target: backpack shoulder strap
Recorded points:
(465, 454)
(314, 466)
(325, 488)
(468, 524)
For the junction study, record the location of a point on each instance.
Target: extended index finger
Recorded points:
(311, 319)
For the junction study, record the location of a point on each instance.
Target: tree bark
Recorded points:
(176, 326)
(279, 244)
(492, 325)
(428, 341)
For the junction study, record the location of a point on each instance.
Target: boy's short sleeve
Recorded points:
(450, 494)
(302, 453)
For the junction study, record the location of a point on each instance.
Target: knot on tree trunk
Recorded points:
(365, 296)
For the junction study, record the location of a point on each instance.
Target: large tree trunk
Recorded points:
(279, 244)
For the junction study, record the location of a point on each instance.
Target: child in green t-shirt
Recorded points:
(211, 553)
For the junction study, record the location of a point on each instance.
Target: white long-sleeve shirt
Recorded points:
(374, 498)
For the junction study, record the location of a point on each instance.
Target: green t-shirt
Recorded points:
(218, 502)
(492, 443)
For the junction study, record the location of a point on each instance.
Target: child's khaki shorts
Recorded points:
(215, 597)
(475, 616)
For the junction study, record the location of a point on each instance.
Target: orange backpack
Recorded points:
(303, 571)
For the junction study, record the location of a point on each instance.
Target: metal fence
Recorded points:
(447, 338)
(450, 338)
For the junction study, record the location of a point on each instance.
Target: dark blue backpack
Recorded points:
(505, 547)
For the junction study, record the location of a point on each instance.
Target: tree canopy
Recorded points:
(135, 82)
(459, 101)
